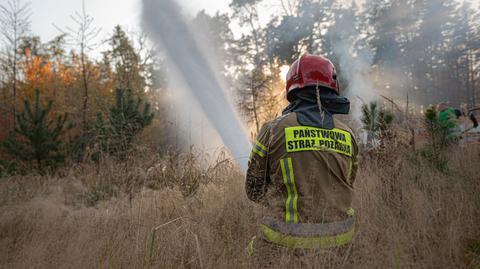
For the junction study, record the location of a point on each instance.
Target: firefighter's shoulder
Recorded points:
(279, 122)
(342, 125)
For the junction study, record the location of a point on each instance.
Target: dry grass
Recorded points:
(409, 215)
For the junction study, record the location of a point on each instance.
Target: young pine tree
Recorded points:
(126, 120)
(36, 138)
(376, 122)
(438, 137)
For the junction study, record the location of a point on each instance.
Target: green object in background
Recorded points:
(448, 119)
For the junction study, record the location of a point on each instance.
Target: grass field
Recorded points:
(176, 211)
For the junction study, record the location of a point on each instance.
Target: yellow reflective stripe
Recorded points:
(306, 242)
(260, 145)
(351, 212)
(295, 193)
(259, 149)
(305, 138)
(258, 152)
(291, 211)
(250, 247)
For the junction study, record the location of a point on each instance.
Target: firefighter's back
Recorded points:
(311, 169)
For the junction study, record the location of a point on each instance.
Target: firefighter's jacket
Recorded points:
(304, 175)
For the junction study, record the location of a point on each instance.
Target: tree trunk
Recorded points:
(14, 74)
(14, 86)
(85, 94)
(254, 106)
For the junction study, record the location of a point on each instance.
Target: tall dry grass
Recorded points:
(181, 212)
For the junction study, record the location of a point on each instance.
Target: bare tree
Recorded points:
(83, 37)
(251, 94)
(254, 81)
(14, 24)
(289, 7)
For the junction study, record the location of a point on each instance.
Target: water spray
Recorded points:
(163, 20)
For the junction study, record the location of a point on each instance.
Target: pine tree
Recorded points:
(438, 142)
(36, 138)
(127, 62)
(376, 122)
(126, 121)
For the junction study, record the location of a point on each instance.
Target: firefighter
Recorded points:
(303, 163)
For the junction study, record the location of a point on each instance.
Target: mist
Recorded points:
(354, 63)
(167, 27)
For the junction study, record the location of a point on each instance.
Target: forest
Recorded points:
(422, 52)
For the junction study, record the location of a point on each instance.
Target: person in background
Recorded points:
(450, 118)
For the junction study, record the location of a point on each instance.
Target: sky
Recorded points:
(106, 13)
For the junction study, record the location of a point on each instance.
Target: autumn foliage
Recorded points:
(60, 76)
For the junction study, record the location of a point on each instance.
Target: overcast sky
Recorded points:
(108, 13)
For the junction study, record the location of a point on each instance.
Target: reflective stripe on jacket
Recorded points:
(304, 175)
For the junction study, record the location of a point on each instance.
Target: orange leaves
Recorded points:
(37, 72)
(42, 73)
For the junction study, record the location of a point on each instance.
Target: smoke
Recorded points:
(355, 69)
(167, 27)
(355, 62)
(354, 65)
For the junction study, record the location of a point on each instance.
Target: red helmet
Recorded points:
(311, 70)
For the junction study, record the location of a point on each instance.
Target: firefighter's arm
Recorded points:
(355, 162)
(257, 173)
